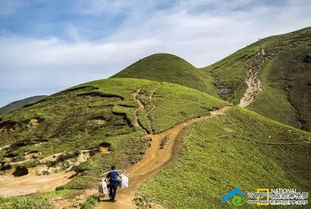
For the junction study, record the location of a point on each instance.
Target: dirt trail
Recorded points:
(155, 160)
(157, 157)
(141, 106)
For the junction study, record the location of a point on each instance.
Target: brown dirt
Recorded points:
(30, 184)
(141, 107)
(104, 150)
(155, 160)
(253, 88)
(34, 181)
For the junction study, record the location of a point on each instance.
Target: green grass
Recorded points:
(70, 122)
(283, 61)
(177, 103)
(228, 74)
(169, 68)
(37, 201)
(286, 89)
(20, 103)
(240, 149)
(89, 202)
(24, 203)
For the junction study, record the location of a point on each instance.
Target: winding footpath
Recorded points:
(156, 158)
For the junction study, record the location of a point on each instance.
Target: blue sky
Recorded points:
(49, 45)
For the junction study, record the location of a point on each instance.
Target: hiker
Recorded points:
(114, 180)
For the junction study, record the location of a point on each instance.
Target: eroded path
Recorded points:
(252, 72)
(253, 88)
(157, 157)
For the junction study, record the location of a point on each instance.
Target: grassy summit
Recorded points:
(169, 68)
(278, 61)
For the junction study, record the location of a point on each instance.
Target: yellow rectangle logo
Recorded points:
(258, 198)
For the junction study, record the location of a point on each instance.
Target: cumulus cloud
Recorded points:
(202, 32)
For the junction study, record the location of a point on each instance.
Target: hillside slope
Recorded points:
(167, 121)
(21, 103)
(270, 76)
(226, 152)
(96, 123)
(278, 68)
(169, 68)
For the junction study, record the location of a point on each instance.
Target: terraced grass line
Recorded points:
(155, 159)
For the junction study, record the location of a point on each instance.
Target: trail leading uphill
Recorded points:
(163, 151)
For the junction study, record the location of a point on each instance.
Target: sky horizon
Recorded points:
(49, 45)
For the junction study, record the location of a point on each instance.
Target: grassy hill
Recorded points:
(285, 74)
(91, 126)
(169, 68)
(280, 62)
(226, 152)
(92, 117)
(21, 103)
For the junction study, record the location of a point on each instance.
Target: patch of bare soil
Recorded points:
(253, 87)
(105, 148)
(30, 184)
(252, 71)
(43, 177)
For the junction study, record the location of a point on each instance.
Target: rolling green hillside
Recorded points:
(286, 94)
(87, 128)
(239, 149)
(266, 58)
(280, 62)
(92, 116)
(169, 68)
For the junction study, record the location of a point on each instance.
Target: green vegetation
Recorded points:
(36, 201)
(88, 115)
(177, 103)
(226, 78)
(286, 89)
(169, 68)
(284, 74)
(89, 202)
(239, 149)
(21, 103)
(28, 202)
